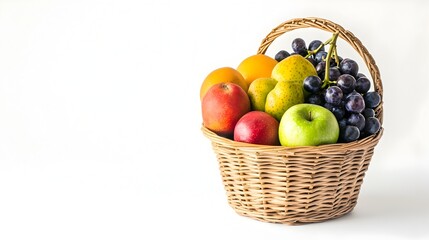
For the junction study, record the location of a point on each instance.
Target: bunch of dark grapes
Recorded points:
(346, 93)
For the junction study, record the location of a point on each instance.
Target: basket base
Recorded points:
(297, 219)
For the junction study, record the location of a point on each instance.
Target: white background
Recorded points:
(100, 118)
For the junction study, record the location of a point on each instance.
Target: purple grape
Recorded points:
(312, 84)
(299, 46)
(340, 59)
(368, 112)
(315, 44)
(372, 125)
(281, 55)
(328, 106)
(312, 61)
(362, 85)
(347, 83)
(338, 111)
(334, 63)
(351, 94)
(342, 123)
(356, 119)
(372, 99)
(333, 95)
(320, 68)
(359, 75)
(349, 133)
(320, 56)
(355, 103)
(349, 66)
(334, 73)
(316, 99)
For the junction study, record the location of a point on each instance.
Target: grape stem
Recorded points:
(337, 60)
(332, 50)
(318, 48)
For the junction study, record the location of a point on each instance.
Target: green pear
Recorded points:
(258, 91)
(284, 95)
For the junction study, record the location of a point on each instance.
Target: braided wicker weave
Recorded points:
(297, 184)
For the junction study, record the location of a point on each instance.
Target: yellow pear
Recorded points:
(258, 91)
(293, 68)
(284, 95)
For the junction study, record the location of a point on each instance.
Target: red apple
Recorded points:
(222, 106)
(257, 127)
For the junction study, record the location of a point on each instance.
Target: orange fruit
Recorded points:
(256, 66)
(222, 75)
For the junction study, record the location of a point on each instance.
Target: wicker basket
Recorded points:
(297, 184)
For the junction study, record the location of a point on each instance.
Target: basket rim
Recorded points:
(330, 147)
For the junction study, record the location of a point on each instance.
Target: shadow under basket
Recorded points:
(297, 184)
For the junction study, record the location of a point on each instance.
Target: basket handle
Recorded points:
(332, 27)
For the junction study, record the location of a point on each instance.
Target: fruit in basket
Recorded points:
(257, 127)
(372, 99)
(222, 75)
(357, 120)
(333, 95)
(293, 68)
(372, 125)
(282, 54)
(354, 103)
(346, 82)
(308, 125)
(284, 95)
(316, 45)
(258, 91)
(362, 85)
(343, 91)
(299, 46)
(256, 66)
(349, 66)
(349, 133)
(222, 106)
(312, 84)
(312, 74)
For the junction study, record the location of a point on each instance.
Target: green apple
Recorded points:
(308, 125)
(258, 91)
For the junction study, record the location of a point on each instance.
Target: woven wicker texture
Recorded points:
(297, 184)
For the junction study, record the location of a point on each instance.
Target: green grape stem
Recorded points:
(332, 50)
(337, 60)
(309, 53)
